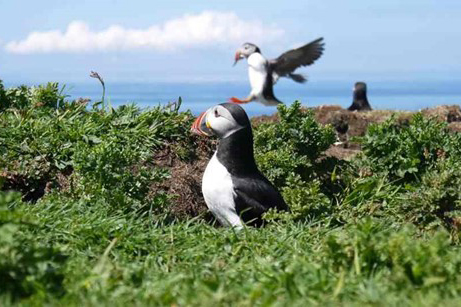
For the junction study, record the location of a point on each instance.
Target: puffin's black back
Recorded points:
(255, 194)
(268, 89)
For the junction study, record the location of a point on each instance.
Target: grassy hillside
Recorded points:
(103, 206)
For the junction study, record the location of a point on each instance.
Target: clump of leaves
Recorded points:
(365, 196)
(372, 247)
(50, 95)
(292, 145)
(306, 201)
(287, 153)
(119, 174)
(437, 200)
(26, 267)
(406, 151)
(90, 153)
(408, 172)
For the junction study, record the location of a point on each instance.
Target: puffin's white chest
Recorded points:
(218, 191)
(257, 71)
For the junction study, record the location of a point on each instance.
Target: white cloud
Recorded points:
(205, 29)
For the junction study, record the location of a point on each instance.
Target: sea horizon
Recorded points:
(198, 96)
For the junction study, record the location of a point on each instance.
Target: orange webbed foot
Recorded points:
(239, 101)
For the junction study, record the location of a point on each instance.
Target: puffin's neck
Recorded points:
(235, 152)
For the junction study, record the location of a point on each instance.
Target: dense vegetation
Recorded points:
(87, 216)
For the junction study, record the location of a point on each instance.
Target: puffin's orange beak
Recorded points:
(201, 125)
(238, 56)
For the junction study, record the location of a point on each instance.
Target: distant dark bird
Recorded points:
(235, 191)
(340, 124)
(264, 73)
(360, 102)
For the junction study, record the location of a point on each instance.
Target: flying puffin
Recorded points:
(235, 191)
(264, 73)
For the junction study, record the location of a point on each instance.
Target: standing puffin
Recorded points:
(234, 189)
(264, 73)
(360, 102)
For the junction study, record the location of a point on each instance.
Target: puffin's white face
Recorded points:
(245, 51)
(221, 122)
(217, 121)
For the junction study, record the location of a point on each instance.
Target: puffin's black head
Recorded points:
(360, 87)
(245, 51)
(360, 90)
(222, 120)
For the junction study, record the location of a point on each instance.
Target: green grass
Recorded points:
(94, 227)
(117, 259)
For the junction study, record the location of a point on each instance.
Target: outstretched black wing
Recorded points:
(288, 62)
(254, 196)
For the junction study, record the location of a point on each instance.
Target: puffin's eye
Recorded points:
(216, 114)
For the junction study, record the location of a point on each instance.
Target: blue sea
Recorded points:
(199, 96)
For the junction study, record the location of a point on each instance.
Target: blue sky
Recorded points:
(181, 40)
